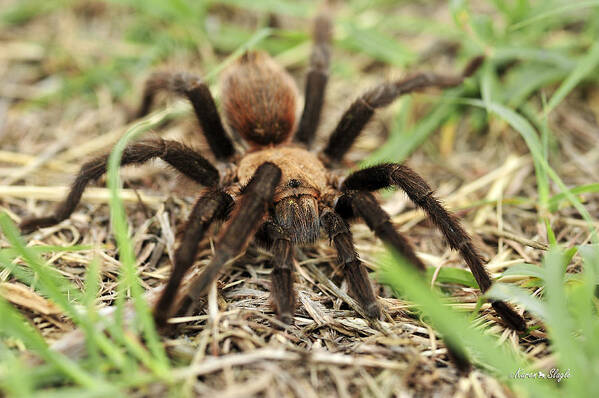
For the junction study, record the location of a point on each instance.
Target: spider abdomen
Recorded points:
(259, 99)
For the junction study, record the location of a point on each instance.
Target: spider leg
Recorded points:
(243, 225)
(316, 81)
(421, 194)
(359, 113)
(357, 276)
(365, 205)
(210, 206)
(282, 291)
(181, 157)
(203, 104)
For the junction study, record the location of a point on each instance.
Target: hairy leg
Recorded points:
(316, 81)
(246, 219)
(360, 112)
(203, 104)
(282, 291)
(357, 277)
(421, 194)
(210, 206)
(364, 205)
(181, 157)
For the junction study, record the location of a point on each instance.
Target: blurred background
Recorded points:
(79, 66)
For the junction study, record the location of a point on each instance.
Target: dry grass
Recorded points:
(233, 344)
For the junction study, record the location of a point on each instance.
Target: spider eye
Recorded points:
(293, 183)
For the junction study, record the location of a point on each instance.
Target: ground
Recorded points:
(72, 73)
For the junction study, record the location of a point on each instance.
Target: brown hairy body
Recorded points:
(280, 191)
(259, 99)
(296, 197)
(303, 172)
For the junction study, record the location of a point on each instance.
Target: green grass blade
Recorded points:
(526, 80)
(585, 66)
(379, 46)
(525, 270)
(285, 7)
(59, 290)
(53, 285)
(560, 324)
(508, 292)
(24, 11)
(553, 12)
(15, 381)
(452, 275)
(455, 328)
(553, 58)
(37, 250)
(120, 228)
(92, 287)
(15, 325)
(555, 200)
(407, 141)
(522, 126)
(582, 299)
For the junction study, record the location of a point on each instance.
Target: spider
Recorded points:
(280, 190)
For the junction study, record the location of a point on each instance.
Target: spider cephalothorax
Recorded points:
(280, 190)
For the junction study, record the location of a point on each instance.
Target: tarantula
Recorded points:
(279, 189)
